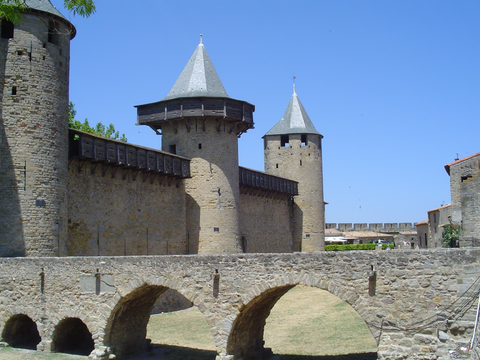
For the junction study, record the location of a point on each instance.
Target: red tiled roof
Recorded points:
(333, 232)
(439, 208)
(424, 222)
(366, 234)
(447, 167)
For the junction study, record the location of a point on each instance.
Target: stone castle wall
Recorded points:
(266, 223)
(470, 190)
(379, 227)
(124, 215)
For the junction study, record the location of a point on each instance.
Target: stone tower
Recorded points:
(34, 72)
(293, 149)
(198, 120)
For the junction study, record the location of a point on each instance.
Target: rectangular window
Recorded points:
(284, 140)
(7, 29)
(173, 149)
(304, 140)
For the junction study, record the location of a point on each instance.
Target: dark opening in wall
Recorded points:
(53, 33)
(200, 146)
(14, 90)
(71, 336)
(7, 29)
(284, 140)
(466, 177)
(20, 331)
(304, 140)
(301, 164)
(244, 244)
(173, 149)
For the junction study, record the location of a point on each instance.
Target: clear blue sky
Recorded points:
(394, 86)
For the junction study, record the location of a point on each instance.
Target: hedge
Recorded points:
(354, 247)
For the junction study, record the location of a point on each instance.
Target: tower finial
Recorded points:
(294, 77)
(201, 40)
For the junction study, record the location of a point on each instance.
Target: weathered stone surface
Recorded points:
(248, 287)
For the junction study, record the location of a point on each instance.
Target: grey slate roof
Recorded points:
(198, 78)
(45, 6)
(294, 121)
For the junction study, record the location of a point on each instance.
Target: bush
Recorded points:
(350, 247)
(391, 246)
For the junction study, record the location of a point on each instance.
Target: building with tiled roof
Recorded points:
(465, 192)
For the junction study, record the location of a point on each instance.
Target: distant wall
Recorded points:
(379, 227)
(114, 211)
(266, 223)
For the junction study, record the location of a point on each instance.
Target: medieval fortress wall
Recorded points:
(124, 215)
(54, 203)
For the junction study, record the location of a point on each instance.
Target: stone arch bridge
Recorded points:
(105, 302)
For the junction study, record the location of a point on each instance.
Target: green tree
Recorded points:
(99, 129)
(451, 234)
(11, 9)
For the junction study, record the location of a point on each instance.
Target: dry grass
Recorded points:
(305, 321)
(309, 321)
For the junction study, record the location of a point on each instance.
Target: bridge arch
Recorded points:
(246, 338)
(72, 336)
(126, 328)
(21, 331)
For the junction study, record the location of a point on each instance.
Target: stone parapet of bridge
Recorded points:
(415, 303)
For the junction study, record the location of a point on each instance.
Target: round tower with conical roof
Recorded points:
(198, 120)
(293, 149)
(34, 72)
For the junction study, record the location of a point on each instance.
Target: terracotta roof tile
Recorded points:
(447, 167)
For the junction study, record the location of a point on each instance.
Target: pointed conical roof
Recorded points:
(45, 6)
(198, 78)
(294, 121)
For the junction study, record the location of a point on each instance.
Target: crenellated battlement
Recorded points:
(378, 227)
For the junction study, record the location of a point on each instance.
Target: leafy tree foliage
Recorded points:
(99, 129)
(11, 9)
(451, 234)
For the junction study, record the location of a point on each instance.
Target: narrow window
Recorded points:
(434, 218)
(276, 166)
(173, 149)
(7, 29)
(301, 163)
(14, 90)
(52, 32)
(200, 146)
(284, 140)
(304, 140)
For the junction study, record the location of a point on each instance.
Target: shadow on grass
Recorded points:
(171, 352)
